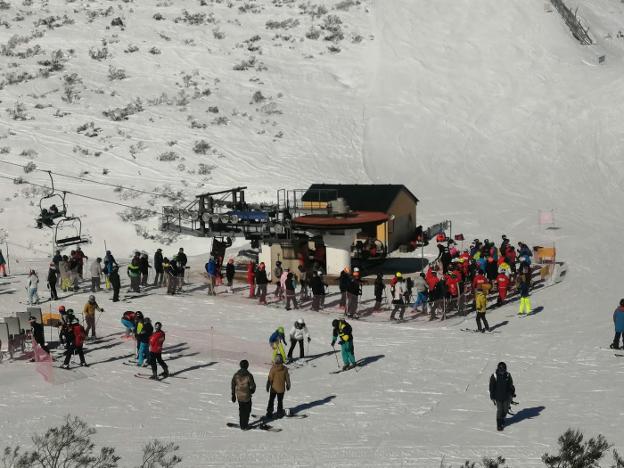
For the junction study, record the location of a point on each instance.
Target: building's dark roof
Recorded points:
(365, 197)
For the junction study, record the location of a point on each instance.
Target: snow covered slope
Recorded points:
(487, 110)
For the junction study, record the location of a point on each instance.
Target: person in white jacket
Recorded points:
(298, 333)
(96, 274)
(31, 288)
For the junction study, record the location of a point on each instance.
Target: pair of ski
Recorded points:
(340, 371)
(262, 425)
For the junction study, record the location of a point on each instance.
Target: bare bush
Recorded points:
(201, 147)
(168, 156)
(154, 50)
(116, 73)
(31, 166)
(157, 454)
(55, 63)
(158, 16)
(71, 93)
(122, 113)
(285, 24)
(257, 98)
(98, 54)
(18, 111)
(131, 49)
(205, 169)
(332, 24)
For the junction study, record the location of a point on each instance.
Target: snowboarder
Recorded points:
(88, 312)
(52, 278)
(298, 333)
(502, 392)
(277, 384)
(380, 287)
(399, 300)
(211, 271)
(74, 335)
(243, 387)
(261, 281)
(277, 340)
(618, 322)
(96, 273)
(229, 274)
(115, 282)
(343, 332)
(31, 287)
(156, 341)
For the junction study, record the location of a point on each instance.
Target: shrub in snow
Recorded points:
(168, 156)
(286, 24)
(131, 49)
(201, 147)
(154, 50)
(116, 73)
(18, 111)
(98, 54)
(70, 84)
(122, 113)
(332, 24)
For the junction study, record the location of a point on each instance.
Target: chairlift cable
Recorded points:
(83, 196)
(87, 180)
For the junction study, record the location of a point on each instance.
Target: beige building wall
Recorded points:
(401, 228)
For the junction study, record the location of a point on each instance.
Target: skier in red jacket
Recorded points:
(75, 336)
(156, 341)
(502, 283)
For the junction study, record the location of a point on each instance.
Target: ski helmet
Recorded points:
(501, 366)
(300, 321)
(92, 298)
(139, 314)
(61, 309)
(280, 330)
(244, 364)
(278, 359)
(398, 274)
(622, 302)
(335, 323)
(157, 326)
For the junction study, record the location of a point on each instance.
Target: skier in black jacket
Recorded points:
(52, 278)
(158, 268)
(37, 334)
(115, 282)
(343, 284)
(502, 391)
(318, 290)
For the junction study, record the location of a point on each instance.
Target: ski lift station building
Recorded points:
(396, 201)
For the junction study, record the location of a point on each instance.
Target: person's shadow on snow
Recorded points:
(525, 413)
(304, 406)
(369, 360)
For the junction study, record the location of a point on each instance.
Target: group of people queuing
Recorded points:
(458, 279)
(67, 272)
(149, 342)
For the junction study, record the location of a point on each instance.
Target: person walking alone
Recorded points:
(502, 392)
(618, 322)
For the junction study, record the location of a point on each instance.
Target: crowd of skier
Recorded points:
(457, 281)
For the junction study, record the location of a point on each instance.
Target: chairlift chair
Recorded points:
(49, 214)
(74, 224)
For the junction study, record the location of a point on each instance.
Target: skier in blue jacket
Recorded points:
(211, 269)
(618, 321)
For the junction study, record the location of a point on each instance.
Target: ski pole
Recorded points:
(337, 362)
